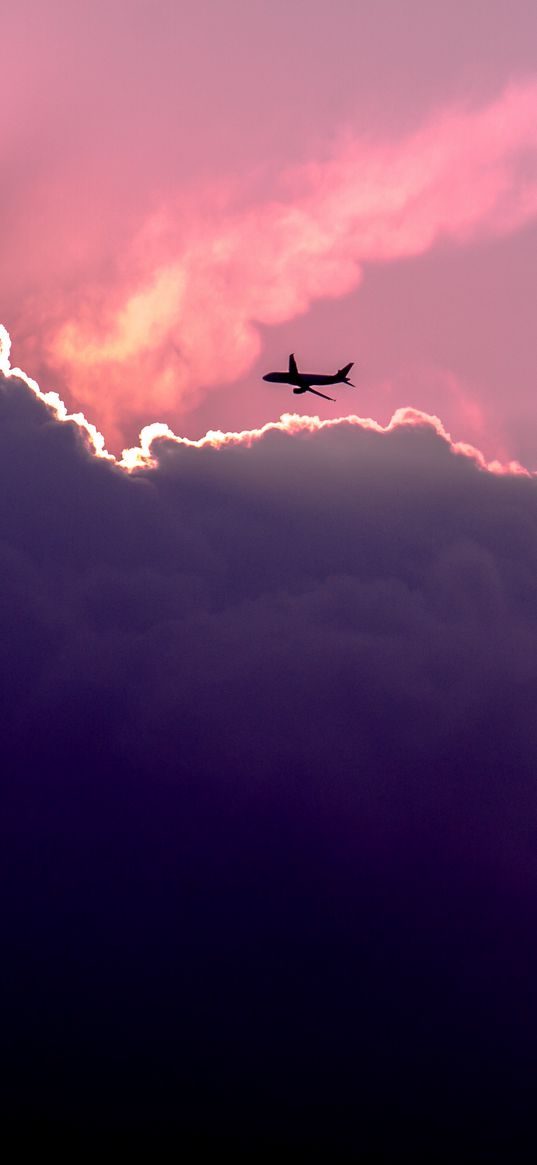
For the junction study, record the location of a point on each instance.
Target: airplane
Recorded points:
(304, 380)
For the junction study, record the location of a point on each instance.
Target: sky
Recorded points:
(269, 668)
(192, 190)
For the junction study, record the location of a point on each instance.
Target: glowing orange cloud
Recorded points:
(184, 309)
(145, 455)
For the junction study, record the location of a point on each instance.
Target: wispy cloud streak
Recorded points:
(184, 308)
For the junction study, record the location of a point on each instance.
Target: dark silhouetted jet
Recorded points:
(304, 380)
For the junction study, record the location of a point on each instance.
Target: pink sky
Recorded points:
(192, 190)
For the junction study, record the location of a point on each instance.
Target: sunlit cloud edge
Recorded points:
(144, 455)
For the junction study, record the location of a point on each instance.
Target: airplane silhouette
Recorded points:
(304, 380)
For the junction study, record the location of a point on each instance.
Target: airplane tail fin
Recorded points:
(343, 374)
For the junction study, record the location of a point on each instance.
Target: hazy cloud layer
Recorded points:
(269, 758)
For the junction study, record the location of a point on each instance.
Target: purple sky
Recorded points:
(193, 190)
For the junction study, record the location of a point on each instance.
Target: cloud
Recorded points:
(142, 456)
(187, 299)
(269, 759)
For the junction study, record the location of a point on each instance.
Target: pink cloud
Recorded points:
(183, 308)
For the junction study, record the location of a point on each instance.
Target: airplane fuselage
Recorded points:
(304, 381)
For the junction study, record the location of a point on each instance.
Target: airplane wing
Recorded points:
(323, 394)
(293, 370)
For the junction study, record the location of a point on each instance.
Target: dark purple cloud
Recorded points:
(269, 781)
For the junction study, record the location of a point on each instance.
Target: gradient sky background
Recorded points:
(191, 190)
(268, 806)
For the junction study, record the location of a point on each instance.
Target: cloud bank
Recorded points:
(181, 309)
(269, 760)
